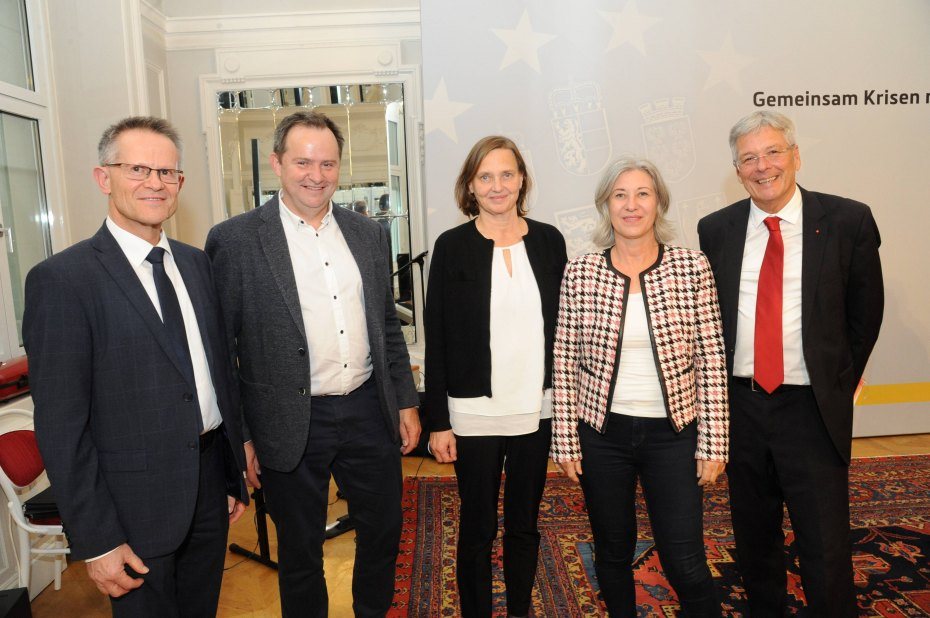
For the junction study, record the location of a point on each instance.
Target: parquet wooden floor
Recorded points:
(250, 589)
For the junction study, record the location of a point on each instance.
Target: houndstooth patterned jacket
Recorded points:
(684, 320)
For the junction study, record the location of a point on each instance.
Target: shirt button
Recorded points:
(301, 351)
(345, 366)
(192, 445)
(326, 263)
(302, 391)
(334, 297)
(188, 397)
(341, 332)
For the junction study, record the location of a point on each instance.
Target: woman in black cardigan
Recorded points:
(491, 308)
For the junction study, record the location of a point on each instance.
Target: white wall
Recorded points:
(195, 214)
(667, 79)
(91, 64)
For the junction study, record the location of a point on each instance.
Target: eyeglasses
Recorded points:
(142, 172)
(772, 154)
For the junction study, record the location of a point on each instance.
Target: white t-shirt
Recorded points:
(637, 392)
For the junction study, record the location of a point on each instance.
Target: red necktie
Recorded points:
(769, 357)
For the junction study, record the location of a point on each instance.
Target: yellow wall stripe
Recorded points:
(881, 394)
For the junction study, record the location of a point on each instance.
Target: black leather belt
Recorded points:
(754, 386)
(206, 438)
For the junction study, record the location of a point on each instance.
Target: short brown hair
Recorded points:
(304, 118)
(464, 198)
(106, 148)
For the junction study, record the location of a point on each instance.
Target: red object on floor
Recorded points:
(14, 377)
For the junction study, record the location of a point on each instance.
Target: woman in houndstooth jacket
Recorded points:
(639, 389)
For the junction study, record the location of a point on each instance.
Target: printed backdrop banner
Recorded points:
(578, 84)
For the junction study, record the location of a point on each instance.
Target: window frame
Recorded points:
(37, 105)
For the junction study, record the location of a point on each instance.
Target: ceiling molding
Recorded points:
(191, 33)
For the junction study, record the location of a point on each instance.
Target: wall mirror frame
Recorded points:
(267, 68)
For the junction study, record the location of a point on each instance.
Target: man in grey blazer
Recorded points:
(323, 367)
(136, 411)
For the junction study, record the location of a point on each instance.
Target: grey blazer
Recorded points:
(258, 295)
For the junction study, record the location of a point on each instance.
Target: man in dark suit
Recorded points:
(323, 367)
(136, 411)
(801, 297)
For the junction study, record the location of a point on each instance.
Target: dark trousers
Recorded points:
(781, 454)
(481, 459)
(187, 582)
(350, 441)
(647, 448)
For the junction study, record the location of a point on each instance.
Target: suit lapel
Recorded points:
(731, 265)
(115, 263)
(815, 233)
(274, 244)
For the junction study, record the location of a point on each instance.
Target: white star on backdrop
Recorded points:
(440, 112)
(725, 65)
(522, 43)
(629, 26)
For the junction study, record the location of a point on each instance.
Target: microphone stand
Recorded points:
(418, 260)
(261, 528)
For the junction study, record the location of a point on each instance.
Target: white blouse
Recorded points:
(517, 356)
(637, 391)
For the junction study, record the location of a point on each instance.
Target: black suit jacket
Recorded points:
(842, 295)
(114, 416)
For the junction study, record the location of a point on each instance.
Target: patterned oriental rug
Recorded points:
(890, 500)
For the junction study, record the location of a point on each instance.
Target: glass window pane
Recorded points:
(26, 239)
(15, 58)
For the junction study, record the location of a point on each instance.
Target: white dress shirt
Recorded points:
(136, 250)
(332, 303)
(518, 346)
(757, 237)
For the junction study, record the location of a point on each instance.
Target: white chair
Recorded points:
(21, 475)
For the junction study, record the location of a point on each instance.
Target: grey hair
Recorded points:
(106, 148)
(755, 121)
(603, 235)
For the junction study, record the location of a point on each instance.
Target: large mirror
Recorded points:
(373, 175)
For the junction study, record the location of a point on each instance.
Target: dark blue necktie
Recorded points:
(173, 321)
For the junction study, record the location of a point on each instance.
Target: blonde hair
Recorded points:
(603, 235)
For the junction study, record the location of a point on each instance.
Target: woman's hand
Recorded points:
(708, 471)
(572, 469)
(442, 446)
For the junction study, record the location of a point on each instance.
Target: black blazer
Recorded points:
(114, 416)
(458, 311)
(842, 295)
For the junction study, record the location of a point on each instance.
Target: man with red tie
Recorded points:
(801, 297)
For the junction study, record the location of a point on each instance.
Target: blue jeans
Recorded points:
(648, 449)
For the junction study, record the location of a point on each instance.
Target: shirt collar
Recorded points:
(134, 248)
(288, 216)
(790, 213)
